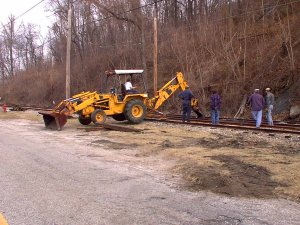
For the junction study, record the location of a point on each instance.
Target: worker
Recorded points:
(215, 107)
(269, 99)
(186, 97)
(129, 88)
(257, 103)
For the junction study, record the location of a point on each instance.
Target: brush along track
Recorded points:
(278, 127)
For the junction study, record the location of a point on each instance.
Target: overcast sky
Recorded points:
(37, 15)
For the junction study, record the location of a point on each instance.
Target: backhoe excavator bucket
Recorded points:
(196, 108)
(54, 120)
(198, 113)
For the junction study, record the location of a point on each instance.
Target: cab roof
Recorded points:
(124, 72)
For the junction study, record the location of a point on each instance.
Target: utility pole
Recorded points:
(155, 54)
(68, 55)
(230, 19)
(11, 58)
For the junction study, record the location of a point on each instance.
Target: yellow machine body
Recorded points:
(95, 107)
(111, 104)
(86, 103)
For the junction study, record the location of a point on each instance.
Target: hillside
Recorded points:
(229, 46)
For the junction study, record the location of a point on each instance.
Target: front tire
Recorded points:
(98, 117)
(135, 111)
(84, 120)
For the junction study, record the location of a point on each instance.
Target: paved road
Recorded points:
(47, 178)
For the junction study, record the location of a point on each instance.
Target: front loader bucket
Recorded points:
(54, 120)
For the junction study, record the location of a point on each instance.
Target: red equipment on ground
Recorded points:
(4, 107)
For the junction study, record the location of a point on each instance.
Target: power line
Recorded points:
(244, 14)
(105, 18)
(28, 10)
(216, 20)
(255, 10)
(130, 10)
(109, 17)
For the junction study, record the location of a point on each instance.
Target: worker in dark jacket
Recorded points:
(186, 97)
(215, 107)
(257, 103)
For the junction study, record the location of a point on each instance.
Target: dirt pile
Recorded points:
(233, 177)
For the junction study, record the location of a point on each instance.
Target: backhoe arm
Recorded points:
(166, 91)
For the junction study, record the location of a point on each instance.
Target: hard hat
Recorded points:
(268, 89)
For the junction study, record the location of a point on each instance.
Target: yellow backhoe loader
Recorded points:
(117, 103)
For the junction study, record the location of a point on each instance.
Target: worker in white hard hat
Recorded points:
(270, 100)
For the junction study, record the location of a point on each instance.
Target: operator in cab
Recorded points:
(129, 88)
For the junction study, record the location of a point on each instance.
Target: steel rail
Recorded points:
(277, 124)
(297, 123)
(268, 129)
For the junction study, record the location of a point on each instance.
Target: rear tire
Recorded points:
(84, 120)
(98, 117)
(119, 117)
(135, 111)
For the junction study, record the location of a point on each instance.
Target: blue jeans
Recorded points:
(186, 113)
(269, 115)
(257, 115)
(215, 117)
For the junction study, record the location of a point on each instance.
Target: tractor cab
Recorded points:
(117, 80)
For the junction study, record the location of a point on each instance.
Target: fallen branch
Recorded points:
(110, 127)
(241, 109)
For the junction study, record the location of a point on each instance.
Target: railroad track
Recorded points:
(279, 126)
(243, 124)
